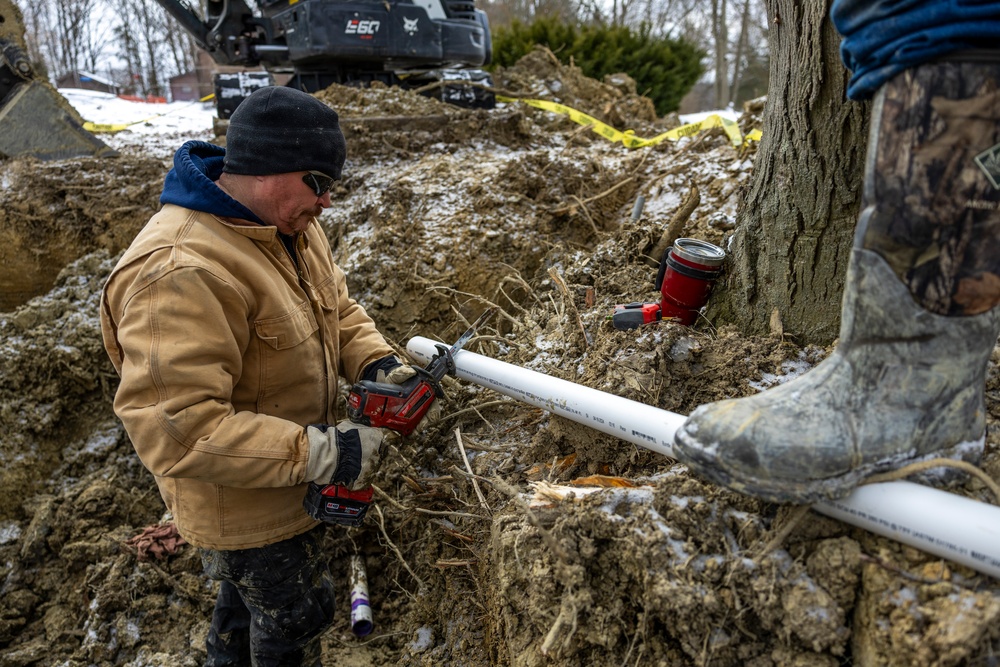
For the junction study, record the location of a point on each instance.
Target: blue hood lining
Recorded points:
(191, 183)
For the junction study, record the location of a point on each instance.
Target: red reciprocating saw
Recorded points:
(399, 407)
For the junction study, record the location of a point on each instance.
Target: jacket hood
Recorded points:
(191, 183)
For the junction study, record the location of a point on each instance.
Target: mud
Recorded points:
(517, 208)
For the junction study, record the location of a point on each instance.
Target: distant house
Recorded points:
(86, 80)
(184, 87)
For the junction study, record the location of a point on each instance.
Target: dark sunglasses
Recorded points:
(318, 182)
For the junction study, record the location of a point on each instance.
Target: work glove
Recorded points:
(397, 375)
(389, 368)
(347, 454)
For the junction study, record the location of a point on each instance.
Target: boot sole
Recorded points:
(710, 467)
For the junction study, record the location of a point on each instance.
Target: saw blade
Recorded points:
(464, 338)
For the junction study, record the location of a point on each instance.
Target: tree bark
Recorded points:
(795, 227)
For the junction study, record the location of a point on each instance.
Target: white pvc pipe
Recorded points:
(637, 423)
(941, 523)
(944, 524)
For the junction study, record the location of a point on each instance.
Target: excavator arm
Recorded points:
(230, 33)
(34, 118)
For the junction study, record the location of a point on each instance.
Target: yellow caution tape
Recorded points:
(111, 128)
(628, 138)
(106, 128)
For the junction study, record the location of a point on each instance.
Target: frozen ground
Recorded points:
(531, 560)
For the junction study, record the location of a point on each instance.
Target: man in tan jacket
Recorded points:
(229, 325)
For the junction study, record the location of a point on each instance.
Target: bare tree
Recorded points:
(72, 31)
(152, 26)
(97, 43)
(37, 34)
(180, 46)
(622, 12)
(505, 12)
(128, 48)
(738, 66)
(149, 47)
(143, 35)
(735, 47)
(669, 18)
(721, 42)
(67, 35)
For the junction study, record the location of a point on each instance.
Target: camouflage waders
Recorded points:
(918, 321)
(273, 605)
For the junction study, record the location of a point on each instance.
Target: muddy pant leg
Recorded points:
(931, 205)
(288, 591)
(229, 637)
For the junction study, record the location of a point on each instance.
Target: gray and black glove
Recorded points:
(347, 454)
(389, 368)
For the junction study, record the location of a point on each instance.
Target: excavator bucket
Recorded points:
(35, 119)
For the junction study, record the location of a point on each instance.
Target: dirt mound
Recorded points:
(614, 101)
(52, 213)
(528, 561)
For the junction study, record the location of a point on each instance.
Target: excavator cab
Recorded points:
(435, 46)
(35, 119)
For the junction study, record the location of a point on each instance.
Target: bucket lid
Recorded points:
(699, 252)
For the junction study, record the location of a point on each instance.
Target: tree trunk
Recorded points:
(789, 253)
(721, 39)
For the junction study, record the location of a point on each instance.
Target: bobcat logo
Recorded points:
(989, 162)
(410, 26)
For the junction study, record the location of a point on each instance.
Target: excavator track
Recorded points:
(35, 120)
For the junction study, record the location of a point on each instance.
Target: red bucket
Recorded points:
(687, 272)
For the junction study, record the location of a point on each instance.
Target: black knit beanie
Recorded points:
(277, 130)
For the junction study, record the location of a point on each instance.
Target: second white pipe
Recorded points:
(361, 610)
(941, 523)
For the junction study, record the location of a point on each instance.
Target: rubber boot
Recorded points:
(919, 320)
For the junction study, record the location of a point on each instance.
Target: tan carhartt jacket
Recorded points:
(226, 350)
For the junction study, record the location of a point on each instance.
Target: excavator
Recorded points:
(430, 45)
